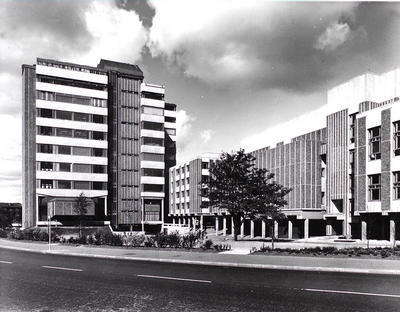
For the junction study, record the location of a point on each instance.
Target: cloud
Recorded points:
(256, 44)
(333, 37)
(285, 131)
(205, 135)
(183, 129)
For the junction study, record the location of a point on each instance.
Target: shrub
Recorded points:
(3, 233)
(192, 239)
(149, 242)
(136, 240)
(90, 240)
(207, 244)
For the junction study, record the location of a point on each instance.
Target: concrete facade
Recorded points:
(100, 131)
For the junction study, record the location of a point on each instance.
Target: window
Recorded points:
(374, 187)
(178, 183)
(374, 143)
(204, 165)
(170, 131)
(81, 117)
(352, 133)
(152, 141)
(152, 111)
(65, 150)
(46, 148)
(64, 184)
(153, 157)
(82, 168)
(45, 130)
(151, 95)
(63, 115)
(46, 166)
(46, 184)
(65, 167)
(98, 135)
(81, 134)
(396, 137)
(62, 132)
(81, 151)
(170, 119)
(99, 119)
(99, 186)
(188, 193)
(46, 113)
(396, 185)
(99, 152)
(153, 188)
(81, 185)
(152, 126)
(99, 169)
(152, 172)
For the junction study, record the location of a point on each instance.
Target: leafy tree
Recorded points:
(80, 208)
(244, 191)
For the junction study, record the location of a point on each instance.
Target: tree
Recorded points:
(244, 191)
(80, 208)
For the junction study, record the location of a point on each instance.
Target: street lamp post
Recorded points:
(49, 230)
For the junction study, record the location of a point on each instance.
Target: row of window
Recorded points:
(68, 167)
(72, 133)
(374, 138)
(68, 98)
(72, 83)
(182, 194)
(71, 67)
(374, 186)
(75, 185)
(181, 206)
(71, 150)
(66, 115)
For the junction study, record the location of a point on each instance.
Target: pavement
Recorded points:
(235, 258)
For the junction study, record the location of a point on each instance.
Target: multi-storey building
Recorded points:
(345, 177)
(186, 198)
(85, 132)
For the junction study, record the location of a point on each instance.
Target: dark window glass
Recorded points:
(152, 126)
(153, 188)
(153, 172)
(153, 157)
(81, 151)
(46, 113)
(99, 152)
(63, 115)
(99, 119)
(46, 148)
(64, 184)
(151, 95)
(152, 141)
(81, 185)
(65, 167)
(45, 130)
(82, 168)
(99, 185)
(374, 187)
(46, 166)
(170, 119)
(81, 134)
(99, 169)
(81, 117)
(62, 149)
(98, 135)
(62, 132)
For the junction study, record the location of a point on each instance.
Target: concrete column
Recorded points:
(276, 229)
(216, 225)
(179, 220)
(263, 226)
(392, 227)
(363, 230)
(224, 226)
(242, 229)
(194, 223)
(306, 228)
(184, 220)
(290, 229)
(328, 229)
(232, 228)
(201, 222)
(252, 229)
(173, 220)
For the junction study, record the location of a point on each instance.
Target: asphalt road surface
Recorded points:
(37, 282)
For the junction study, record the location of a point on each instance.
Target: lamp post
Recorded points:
(49, 229)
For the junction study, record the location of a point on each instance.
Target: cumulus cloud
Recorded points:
(183, 129)
(333, 37)
(206, 135)
(260, 44)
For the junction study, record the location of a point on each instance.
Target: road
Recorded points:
(39, 282)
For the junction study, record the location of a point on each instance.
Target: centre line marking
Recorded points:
(175, 278)
(61, 268)
(5, 262)
(350, 292)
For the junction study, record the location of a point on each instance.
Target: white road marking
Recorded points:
(175, 278)
(5, 262)
(61, 268)
(350, 292)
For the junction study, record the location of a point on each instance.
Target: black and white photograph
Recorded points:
(199, 155)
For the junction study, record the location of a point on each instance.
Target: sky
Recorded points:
(244, 74)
